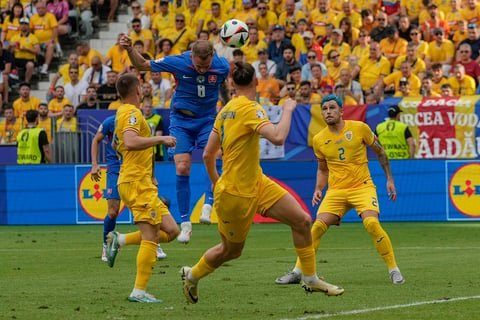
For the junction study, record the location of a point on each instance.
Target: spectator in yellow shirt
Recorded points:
(25, 102)
(462, 84)
(441, 51)
(266, 19)
(427, 88)
(57, 104)
(393, 46)
(142, 34)
(68, 122)
(25, 49)
(10, 127)
(371, 68)
(394, 78)
(45, 28)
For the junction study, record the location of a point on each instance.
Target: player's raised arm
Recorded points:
(139, 62)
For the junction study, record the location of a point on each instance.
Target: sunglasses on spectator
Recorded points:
(135, 7)
(179, 20)
(291, 89)
(261, 8)
(439, 33)
(472, 25)
(380, 19)
(311, 57)
(335, 56)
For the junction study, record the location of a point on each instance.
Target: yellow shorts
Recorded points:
(339, 202)
(235, 213)
(141, 197)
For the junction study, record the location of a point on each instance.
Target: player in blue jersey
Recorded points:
(106, 129)
(198, 74)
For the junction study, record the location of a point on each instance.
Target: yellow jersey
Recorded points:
(65, 73)
(11, 28)
(43, 26)
(136, 164)
(237, 125)
(26, 42)
(345, 154)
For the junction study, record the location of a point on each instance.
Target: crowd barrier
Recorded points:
(428, 190)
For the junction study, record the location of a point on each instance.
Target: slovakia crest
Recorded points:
(212, 79)
(348, 135)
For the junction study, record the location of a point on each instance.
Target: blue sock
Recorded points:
(208, 192)
(108, 226)
(183, 197)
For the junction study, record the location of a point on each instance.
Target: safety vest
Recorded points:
(391, 134)
(28, 150)
(153, 122)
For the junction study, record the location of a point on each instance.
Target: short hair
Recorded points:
(446, 86)
(136, 20)
(288, 46)
(243, 74)
(436, 66)
(305, 83)
(126, 84)
(59, 86)
(138, 43)
(31, 116)
(43, 104)
(295, 68)
(331, 97)
(238, 52)
(202, 49)
(8, 107)
(291, 83)
(68, 106)
(82, 43)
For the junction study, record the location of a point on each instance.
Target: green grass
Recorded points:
(55, 272)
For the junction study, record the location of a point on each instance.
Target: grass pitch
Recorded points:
(55, 272)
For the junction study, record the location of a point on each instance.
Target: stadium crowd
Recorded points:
(363, 51)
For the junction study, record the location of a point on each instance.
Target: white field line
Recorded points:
(397, 306)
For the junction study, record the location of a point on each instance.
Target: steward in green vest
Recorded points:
(395, 136)
(156, 126)
(32, 142)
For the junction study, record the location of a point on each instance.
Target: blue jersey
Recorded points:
(194, 92)
(107, 128)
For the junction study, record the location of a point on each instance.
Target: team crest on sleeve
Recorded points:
(132, 120)
(212, 79)
(348, 135)
(260, 114)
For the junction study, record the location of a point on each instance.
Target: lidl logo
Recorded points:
(91, 195)
(464, 189)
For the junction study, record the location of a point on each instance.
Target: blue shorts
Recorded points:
(190, 132)
(112, 189)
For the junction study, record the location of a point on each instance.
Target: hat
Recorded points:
(262, 50)
(307, 34)
(338, 31)
(403, 80)
(393, 111)
(278, 27)
(24, 20)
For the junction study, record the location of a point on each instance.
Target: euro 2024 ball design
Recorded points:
(234, 33)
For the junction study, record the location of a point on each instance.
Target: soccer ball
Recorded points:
(234, 33)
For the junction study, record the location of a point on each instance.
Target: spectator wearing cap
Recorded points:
(427, 88)
(380, 31)
(266, 19)
(276, 44)
(372, 68)
(263, 58)
(25, 102)
(288, 19)
(462, 84)
(310, 46)
(441, 51)
(163, 21)
(472, 68)
(247, 11)
(433, 21)
(320, 17)
(411, 8)
(253, 45)
(348, 12)
(393, 46)
(474, 41)
(417, 64)
(337, 44)
(289, 62)
(25, 49)
(393, 80)
(395, 136)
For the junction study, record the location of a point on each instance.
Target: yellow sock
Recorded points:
(318, 230)
(306, 257)
(163, 236)
(146, 258)
(202, 269)
(381, 240)
(133, 238)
